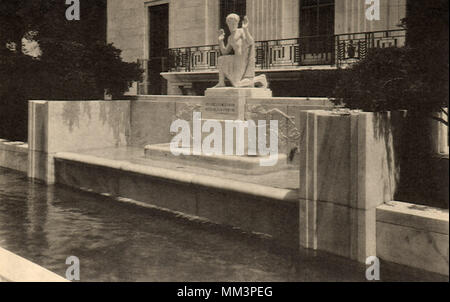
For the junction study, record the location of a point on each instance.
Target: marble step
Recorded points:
(251, 165)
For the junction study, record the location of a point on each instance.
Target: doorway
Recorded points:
(317, 31)
(158, 48)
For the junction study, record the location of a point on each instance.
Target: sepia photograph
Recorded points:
(224, 147)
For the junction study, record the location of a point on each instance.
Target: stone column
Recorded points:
(347, 169)
(273, 19)
(40, 161)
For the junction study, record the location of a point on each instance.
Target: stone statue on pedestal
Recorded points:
(237, 62)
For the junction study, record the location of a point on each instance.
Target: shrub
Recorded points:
(389, 79)
(392, 79)
(378, 83)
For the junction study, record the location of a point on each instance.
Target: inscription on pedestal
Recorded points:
(222, 109)
(229, 103)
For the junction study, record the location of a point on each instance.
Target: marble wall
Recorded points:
(70, 126)
(14, 155)
(412, 235)
(152, 116)
(60, 126)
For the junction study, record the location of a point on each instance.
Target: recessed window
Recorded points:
(316, 18)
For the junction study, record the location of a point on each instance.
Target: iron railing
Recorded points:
(292, 53)
(195, 58)
(353, 47)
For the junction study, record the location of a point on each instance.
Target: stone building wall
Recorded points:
(191, 23)
(273, 19)
(350, 16)
(126, 27)
(196, 22)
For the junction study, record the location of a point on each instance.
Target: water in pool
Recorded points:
(117, 241)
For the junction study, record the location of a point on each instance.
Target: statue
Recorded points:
(237, 62)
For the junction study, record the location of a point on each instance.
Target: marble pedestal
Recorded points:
(229, 104)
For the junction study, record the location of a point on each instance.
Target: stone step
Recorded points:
(251, 165)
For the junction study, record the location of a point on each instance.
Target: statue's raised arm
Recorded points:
(248, 36)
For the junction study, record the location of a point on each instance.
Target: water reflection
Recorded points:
(122, 242)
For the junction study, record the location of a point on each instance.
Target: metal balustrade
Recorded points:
(292, 53)
(353, 47)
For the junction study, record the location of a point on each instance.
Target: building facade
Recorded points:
(298, 41)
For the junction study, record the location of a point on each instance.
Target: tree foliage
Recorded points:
(75, 61)
(46, 20)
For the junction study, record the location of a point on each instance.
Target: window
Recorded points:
(317, 25)
(316, 18)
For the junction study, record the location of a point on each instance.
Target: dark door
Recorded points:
(159, 44)
(317, 29)
(227, 7)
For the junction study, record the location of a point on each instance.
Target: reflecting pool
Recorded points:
(117, 241)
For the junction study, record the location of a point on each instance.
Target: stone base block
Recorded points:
(14, 155)
(340, 230)
(41, 166)
(416, 236)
